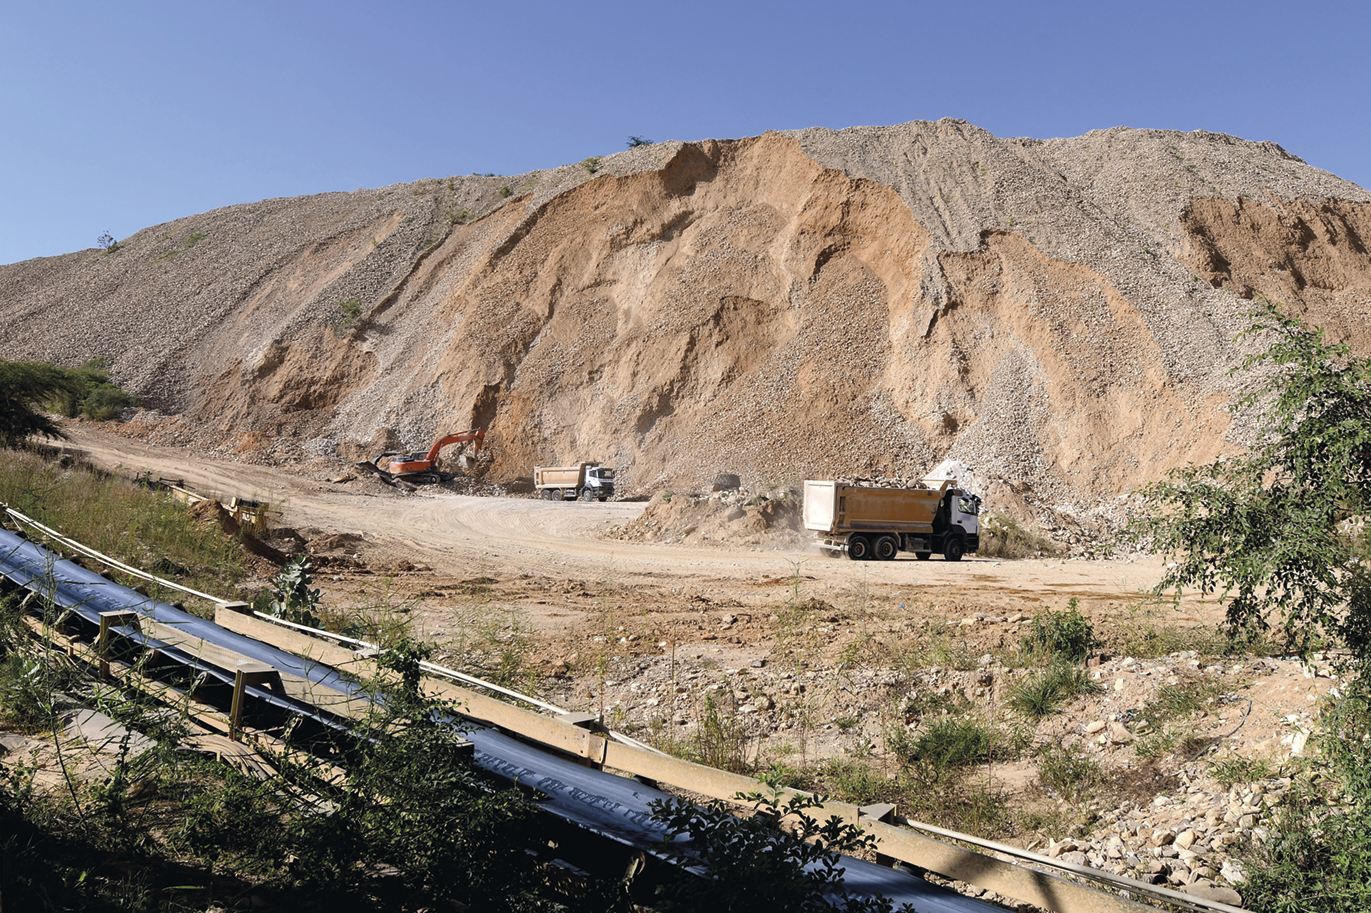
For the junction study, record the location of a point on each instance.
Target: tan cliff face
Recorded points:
(1057, 314)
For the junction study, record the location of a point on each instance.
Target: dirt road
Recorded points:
(502, 537)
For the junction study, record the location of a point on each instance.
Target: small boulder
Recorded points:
(1208, 890)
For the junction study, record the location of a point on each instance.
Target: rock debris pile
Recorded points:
(1060, 314)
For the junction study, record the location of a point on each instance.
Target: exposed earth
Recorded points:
(809, 659)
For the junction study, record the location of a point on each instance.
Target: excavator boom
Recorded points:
(475, 434)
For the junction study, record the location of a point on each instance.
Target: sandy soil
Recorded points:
(511, 537)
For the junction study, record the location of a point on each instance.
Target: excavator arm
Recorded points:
(475, 434)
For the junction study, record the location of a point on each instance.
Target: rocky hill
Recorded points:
(1059, 314)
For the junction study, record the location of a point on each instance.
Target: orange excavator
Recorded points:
(425, 467)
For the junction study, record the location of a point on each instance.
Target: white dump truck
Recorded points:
(587, 481)
(868, 522)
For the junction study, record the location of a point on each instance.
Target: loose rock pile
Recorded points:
(726, 519)
(1183, 819)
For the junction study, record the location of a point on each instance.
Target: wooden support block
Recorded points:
(251, 673)
(108, 622)
(242, 608)
(580, 718)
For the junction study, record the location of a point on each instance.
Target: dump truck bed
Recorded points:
(559, 476)
(836, 508)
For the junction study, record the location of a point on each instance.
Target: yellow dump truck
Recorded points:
(868, 522)
(586, 481)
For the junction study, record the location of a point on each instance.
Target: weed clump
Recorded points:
(1042, 692)
(351, 311)
(1068, 773)
(955, 742)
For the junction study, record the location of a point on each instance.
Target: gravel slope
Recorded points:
(1059, 314)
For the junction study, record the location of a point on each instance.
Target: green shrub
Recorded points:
(26, 387)
(106, 401)
(294, 599)
(90, 393)
(1316, 859)
(1063, 635)
(351, 310)
(757, 862)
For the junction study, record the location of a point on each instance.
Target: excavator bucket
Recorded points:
(466, 461)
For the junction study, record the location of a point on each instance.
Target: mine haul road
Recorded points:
(510, 536)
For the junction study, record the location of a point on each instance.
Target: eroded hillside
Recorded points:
(1058, 314)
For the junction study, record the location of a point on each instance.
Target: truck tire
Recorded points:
(858, 548)
(952, 551)
(886, 548)
(587, 494)
(923, 556)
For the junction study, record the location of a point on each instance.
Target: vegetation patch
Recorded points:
(122, 519)
(1065, 636)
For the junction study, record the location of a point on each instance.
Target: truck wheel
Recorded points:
(886, 548)
(953, 550)
(602, 498)
(858, 548)
(587, 494)
(923, 556)
(558, 495)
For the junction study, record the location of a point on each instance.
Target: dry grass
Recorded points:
(116, 516)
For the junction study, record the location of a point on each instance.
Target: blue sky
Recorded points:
(117, 116)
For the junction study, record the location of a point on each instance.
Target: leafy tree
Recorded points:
(1270, 530)
(1276, 532)
(636, 141)
(24, 388)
